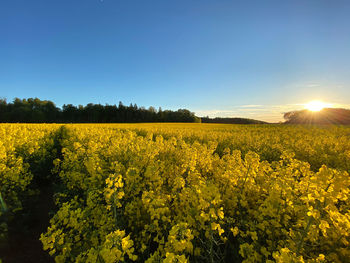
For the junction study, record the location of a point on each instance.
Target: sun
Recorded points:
(316, 105)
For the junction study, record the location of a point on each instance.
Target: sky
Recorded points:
(254, 59)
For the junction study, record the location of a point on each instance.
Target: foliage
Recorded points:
(177, 200)
(325, 116)
(38, 111)
(20, 147)
(187, 192)
(231, 120)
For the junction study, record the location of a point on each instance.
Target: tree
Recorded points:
(325, 116)
(36, 110)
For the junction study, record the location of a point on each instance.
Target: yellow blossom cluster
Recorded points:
(22, 146)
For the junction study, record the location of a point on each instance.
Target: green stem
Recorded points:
(3, 204)
(307, 228)
(211, 246)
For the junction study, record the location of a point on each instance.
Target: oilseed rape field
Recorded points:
(182, 192)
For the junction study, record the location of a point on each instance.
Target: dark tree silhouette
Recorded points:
(231, 120)
(324, 116)
(40, 111)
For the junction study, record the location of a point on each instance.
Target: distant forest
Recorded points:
(34, 110)
(231, 120)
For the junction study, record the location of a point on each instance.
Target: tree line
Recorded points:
(229, 120)
(34, 110)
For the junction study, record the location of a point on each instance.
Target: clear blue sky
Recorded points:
(221, 58)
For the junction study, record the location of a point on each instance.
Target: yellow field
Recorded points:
(186, 192)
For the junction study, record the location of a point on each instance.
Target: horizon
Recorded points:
(312, 106)
(245, 59)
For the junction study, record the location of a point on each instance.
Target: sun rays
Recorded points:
(317, 105)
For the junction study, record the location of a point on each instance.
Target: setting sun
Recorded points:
(316, 105)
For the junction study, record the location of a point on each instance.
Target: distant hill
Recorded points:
(231, 120)
(325, 116)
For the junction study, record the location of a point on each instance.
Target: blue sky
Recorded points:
(219, 58)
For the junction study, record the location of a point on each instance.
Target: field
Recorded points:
(182, 192)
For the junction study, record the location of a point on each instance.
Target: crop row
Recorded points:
(172, 195)
(183, 192)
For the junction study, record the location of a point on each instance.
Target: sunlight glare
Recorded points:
(316, 105)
